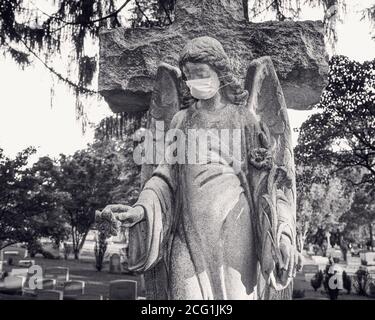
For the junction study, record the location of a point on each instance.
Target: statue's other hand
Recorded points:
(291, 258)
(128, 216)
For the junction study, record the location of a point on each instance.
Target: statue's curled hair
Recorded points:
(210, 51)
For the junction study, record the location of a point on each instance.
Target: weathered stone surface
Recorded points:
(129, 57)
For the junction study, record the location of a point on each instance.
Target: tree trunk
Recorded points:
(75, 244)
(328, 235)
(301, 240)
(76, 254)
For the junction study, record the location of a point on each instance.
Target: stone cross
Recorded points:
(129, 57)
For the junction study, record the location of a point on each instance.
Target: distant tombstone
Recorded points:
(370, 269)
(368, 258)
(12, 257)
(351, 269)
(23, 272)
(353, 261)
(320, 261)
(50, 295)
(32, 286)
(14, 283)
(115, 263)
(61, 274)
(309, 271)
(46, 284)
(26, 263)
(310, 268)
(73, 289)
(123, 290)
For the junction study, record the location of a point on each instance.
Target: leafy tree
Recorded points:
(115, 134)
(342, 134)
(361, 212)
(48, 220)
(103, 173)
(321, 201)
(13, 192)
(29, 202)
(87, 177)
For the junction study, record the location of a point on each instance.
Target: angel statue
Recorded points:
(224, 228)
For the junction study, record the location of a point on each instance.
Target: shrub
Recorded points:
(361, 282)
(317, 280)
(372, 289)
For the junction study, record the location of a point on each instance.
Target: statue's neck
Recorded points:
(217, 102)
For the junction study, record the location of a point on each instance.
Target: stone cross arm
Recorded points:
(129, 57)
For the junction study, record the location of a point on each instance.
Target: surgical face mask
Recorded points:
(205, 88)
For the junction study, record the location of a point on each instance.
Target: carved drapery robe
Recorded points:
(199, 217)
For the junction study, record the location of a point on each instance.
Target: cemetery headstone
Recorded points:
(46, 284)
(61, 274)
(353, 261)
(123, 290)
(115, 263)
(351, 269)
(12, 257)
(14, 284)
(309, 271)
(73, 288)
(368, 258)
(23, 272)
(26, 263)
(50, 295)
(319, 260)
(33, 286)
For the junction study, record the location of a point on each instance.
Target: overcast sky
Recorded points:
(27, 119)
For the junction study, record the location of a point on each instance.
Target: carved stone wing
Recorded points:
(273, 183)
(165, 102)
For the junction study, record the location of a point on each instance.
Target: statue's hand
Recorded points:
(291, 259)
(128, 216)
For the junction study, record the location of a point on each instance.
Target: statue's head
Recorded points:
(204, 58)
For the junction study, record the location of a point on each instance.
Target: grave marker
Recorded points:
(26, 263)
(73, 289)
(50, 295)
(115, 263)
(61, 274)
(368, 258)
(309, 271)
(123, 290)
